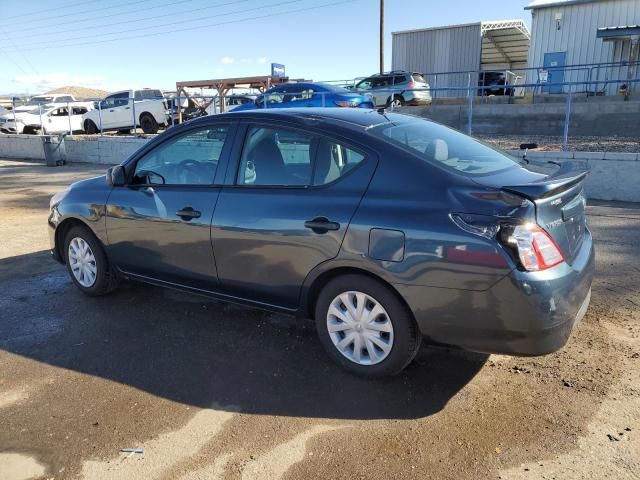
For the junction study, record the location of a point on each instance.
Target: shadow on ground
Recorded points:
(201, 352)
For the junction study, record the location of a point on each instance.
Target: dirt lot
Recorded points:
(578, 144)
(212, 391)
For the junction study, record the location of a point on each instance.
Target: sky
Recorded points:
(118, 44)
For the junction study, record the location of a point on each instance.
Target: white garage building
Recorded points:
(567, 34)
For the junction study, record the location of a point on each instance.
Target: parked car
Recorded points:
(50, 119)
(307, 94)
(382, 227)
(496, 83)
(396, 89)
(39, 100)
(116, 111)
(237, 99)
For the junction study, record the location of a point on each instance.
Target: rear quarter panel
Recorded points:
(412, 197)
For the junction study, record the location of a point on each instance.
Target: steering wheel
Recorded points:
(189, 171)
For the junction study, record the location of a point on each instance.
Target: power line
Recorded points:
(47, 10)
(13, 61)
(18, 50)
(157, 26)
(89, 27)
(93, 10)
(118, 14)
(258, 17)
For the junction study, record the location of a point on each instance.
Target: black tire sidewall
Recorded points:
(103, 282)
(149, 122)
(91, 128)
(406, 337)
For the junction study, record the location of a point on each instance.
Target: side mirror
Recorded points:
(115, 176)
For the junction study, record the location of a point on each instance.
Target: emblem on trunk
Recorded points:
(557, 201)
(554, 224)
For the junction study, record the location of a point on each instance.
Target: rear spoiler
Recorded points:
(551, 185)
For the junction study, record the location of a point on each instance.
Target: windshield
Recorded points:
(439, 144)
(39, 101)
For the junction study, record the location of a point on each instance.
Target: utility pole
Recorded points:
(381, 36)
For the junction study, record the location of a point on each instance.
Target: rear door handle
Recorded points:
(187, 213)
(321, 225)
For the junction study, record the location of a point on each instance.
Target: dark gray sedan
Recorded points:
(384, 228)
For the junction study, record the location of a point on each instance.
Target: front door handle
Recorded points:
(187, 213)
(321, 225)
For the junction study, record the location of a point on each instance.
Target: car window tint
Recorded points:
(190, 159)
(290, 158)
(275, 157)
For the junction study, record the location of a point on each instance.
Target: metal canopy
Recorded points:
(223, 85)
(618, 33)
(504, 41)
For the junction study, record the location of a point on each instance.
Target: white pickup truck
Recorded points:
(42, 100)
(116, 112)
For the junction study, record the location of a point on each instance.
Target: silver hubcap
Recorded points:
(360, 328)
(82, 262)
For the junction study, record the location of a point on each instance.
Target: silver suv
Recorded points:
(396, 88)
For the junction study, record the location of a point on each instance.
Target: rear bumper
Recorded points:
(525, 313)
(417, 97)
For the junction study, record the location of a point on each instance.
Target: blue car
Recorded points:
(307, 94)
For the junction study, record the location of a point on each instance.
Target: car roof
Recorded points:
(301, 84)
(356, 118)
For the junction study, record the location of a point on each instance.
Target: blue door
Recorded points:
(554, 63)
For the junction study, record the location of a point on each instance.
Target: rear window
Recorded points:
(442, 145)
(148, 95)
(417, 77)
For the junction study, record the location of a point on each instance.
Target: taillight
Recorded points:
(343, 103)
(535, 248)
(411, 85)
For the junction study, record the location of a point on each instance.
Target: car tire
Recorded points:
(394, 327)
(90, 127)
(397, 101)
(148, 123)
(87, 262)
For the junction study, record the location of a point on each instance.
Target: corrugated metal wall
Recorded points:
(449, 49)
(577, 36)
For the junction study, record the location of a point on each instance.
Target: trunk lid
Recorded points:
(560, 204)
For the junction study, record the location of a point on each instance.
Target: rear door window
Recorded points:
(283, 157)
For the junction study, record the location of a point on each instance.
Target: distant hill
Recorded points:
(80, 92)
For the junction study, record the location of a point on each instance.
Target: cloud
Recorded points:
(262, 60)
(228, 60)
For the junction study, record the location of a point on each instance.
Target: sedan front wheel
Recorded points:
(87, 263)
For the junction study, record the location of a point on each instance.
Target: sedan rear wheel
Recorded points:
(365, 327)
(360, 328)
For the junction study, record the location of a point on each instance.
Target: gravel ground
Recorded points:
(579, 144)
(214, 391)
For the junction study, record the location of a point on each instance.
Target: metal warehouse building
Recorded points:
(499, 45)
(578, 32)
